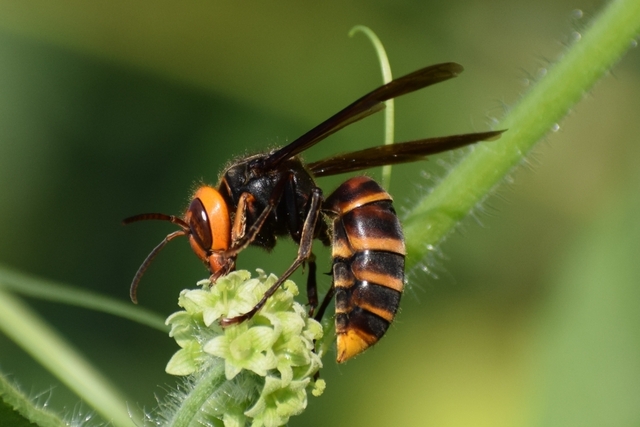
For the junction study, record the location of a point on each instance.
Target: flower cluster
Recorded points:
(270, 355)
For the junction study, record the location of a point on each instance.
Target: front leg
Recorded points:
(225, 260)
(304, 253)
(238, 231)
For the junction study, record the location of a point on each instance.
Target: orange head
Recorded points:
(208, 226)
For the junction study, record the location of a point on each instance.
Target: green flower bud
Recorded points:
(268, 361)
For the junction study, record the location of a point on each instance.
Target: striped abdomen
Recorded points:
(368, 263)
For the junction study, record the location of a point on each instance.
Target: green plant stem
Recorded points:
(26, 408)
(25, 327)
(36, 287)
(204, 388)
(564, 84)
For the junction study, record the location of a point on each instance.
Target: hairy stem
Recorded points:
(203, 389)
(563, 85)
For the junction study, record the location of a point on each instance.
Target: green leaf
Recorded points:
(44, 344)
(48, 290)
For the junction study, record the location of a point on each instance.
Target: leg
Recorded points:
(325, 302)
(242, 239)
(312, 286)
(240, 222)
(304, 253)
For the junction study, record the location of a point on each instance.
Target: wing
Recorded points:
(403, 152)
(363, 107)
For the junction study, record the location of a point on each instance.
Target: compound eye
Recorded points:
(208, 218)
(199, 224)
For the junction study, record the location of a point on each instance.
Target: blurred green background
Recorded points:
(528, 315)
